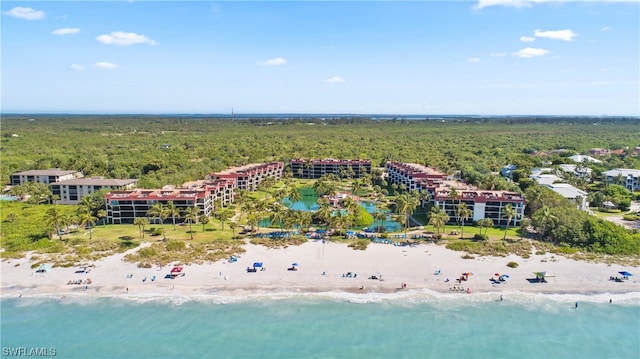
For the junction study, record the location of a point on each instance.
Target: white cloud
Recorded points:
(473, 60)
(527, 39)
(605, 28)
(564, 35)
(273, 62)
(528, 52)
(498, 54)
(105, 66)
(76, 67)
(334, 80)
(66, 31)
(26, 13)
(511, 3)
(120, 38)
(528, 3)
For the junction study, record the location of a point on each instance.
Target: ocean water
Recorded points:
(318, 326)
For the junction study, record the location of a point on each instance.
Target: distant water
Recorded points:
(322, 327)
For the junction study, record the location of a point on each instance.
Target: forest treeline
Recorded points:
(171, 150)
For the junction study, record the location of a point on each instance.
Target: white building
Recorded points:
(583, 158)
(630, 177)
(72, 191)
(575, 195)
(44, 176)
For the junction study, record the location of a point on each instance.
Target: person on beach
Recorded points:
(501, 297)
(576, 305)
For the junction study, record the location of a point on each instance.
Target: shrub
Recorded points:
(360, 244)
(468, 256)
(156, 232)
(480, 237)
(175, 245)
(565, 249)
(512, 265)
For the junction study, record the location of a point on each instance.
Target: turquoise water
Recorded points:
(309, 203)
(323, 328)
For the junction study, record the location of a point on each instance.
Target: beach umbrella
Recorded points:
(540, 274)
(257, 265)
(294, 264)
(497, 274)
(625, 273)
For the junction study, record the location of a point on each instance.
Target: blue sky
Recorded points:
(490, 57)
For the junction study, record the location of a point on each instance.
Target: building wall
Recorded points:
(18, 179)
(125, 210)
(318, 168)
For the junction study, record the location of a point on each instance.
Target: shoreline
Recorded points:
(423, 268)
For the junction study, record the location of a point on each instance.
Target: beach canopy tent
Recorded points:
(625, 273)
(176, 270)
(257, 265)
(44, 268)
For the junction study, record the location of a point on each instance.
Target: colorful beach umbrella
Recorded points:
(625, 273)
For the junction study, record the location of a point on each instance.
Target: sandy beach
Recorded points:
(323, 267)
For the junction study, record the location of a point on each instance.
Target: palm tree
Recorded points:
(438, 219)
(223, 216)
(294, 195)
(324, 211)
(233, 226)
(277, 214)
(463, 212)
(406, 204)
(172, 211)
(357, 186)
(453, 196)
(190, 216)
(86, 217)
(485, 223)
(159, 211)
(204, 219)
(141, 222)
(509, 213)
(545, 217)
(380, 216)
(55, 218)
(424, 197)
(102, 214)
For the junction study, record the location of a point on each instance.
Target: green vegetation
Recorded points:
(473, 149)
(499, 248)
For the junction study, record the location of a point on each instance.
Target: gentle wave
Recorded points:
(408, 297)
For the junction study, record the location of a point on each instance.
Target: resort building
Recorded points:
(71, 191)
(313, 168)
(575, 195)
(578, 171)
(250, 176)
(583, 158)
(44, 176)
(125, 206)
(222, 190)
(557, 184)
(630, 178)
(448, 194)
